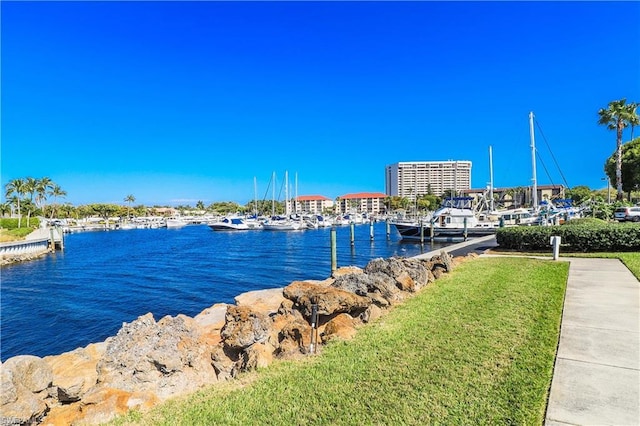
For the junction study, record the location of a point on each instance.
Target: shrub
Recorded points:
(584, 237)
(585, 221)
(12, 223)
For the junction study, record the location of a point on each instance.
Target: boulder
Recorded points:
(418, 272)
(294, 339)
(74, 373)
(212, 319)
(166, 358)
(394, 268)
(244, 327)
(330, 300)
(29, 371)
(258, 355)
(342, 327)
(346, 270)
(372, 313)
(265, 301)
(226, 362)
(24, 381)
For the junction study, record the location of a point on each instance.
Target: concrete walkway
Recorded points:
(596, 379)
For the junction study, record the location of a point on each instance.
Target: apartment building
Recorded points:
(315, 204)
(361, 202)
(414, 178)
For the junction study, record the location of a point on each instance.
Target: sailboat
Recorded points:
(286, 223)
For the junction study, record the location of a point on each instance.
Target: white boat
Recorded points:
(234, 224)
(176, 222)
(455, 219)
(278, 223)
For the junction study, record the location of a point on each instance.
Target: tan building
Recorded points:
(316, 204)
(361, 202)
(415, 178)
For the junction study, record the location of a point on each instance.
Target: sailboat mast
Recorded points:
(490, 178)
(286, 193)
(273, 196)
(533, 162)
(255, 197)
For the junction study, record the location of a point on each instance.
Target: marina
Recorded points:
(83, 294)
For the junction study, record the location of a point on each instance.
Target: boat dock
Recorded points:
(40, 241)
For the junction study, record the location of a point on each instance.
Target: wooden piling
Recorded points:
(334, 256)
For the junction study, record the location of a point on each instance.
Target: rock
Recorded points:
(24, 383)
(379, 287)
(74, 373)
(346, 270)
(294, 339)
(212, 319)
(372, 313)
(166, 358)
(100, 406)
(354, 283)
(442, 260)
(420, 275)
(258, 355)
(394, 268)
(265, 301)
(244, 327)
(29, 371)
(343, 327)
(226, 362)
(329, 300)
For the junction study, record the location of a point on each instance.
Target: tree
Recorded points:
(17, 187)
(32, 185)
(617, 116)
(56, 192)
(630, 166)
(579, 194)
(200, 205)
(129, 199)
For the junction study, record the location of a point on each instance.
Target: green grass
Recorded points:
(17, 234)
(476, 347)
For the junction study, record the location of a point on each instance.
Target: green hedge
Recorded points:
(588, 237)
(7, 223)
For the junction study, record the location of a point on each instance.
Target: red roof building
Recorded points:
(362, 202)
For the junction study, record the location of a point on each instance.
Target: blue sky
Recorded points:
(176, 102)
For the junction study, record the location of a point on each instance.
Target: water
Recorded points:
(69, 299)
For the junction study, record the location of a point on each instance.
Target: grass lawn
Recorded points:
(9, 235)
(476, 347)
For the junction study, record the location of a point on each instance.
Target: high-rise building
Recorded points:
(414, 178)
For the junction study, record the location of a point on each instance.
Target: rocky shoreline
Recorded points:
(150, 361)
(8, 260)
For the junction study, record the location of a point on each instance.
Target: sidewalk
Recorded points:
(596, 379)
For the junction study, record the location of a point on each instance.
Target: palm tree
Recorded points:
(31, 185)
(617, 116)
(129, 199)
(19, 188)
(56, 192)
(42, 189)
(634, 119)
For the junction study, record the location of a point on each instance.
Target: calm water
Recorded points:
(69, 299)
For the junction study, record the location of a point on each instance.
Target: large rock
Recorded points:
(75, 372)
(341, 327)
(380, 288)
(330, 300)
(24, 381)
(244, 327)
(166, 358)
(265, 301)
(294, 339)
